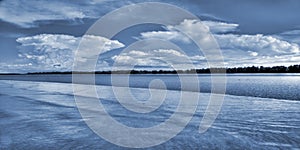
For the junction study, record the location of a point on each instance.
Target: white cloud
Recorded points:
(221, 27)
(49, 42)
(9, 68)
(253, 53)
(156, 58)
(48, 51)
(91, 45)
(246, 50)
(165, 35)
(263, 45)
(167, 53)
(192, 27)
(290, 36)
(55, 52)
(238, 49)
(27, 13)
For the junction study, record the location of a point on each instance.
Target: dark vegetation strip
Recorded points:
(253, 69)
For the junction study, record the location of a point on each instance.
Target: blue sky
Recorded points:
(43, 35)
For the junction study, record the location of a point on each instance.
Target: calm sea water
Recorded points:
(259, 112)
(279, 86)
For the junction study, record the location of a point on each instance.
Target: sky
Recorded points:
(44, 35)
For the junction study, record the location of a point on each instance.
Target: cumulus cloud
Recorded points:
(243, 50)
(92, 46)
(55, 52)
(49, 52)
(237, 49)
(165, 35)
(263, 45)
(158, 58)
(253, 53)
(191, 27)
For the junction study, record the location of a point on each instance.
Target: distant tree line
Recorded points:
(253, 69)
(261, 69)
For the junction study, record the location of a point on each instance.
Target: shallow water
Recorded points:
(41, 115)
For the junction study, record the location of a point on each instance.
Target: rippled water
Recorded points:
(41, 115)
(278, 86)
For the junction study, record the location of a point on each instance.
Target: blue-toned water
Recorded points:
(278, 86)
(259, 112)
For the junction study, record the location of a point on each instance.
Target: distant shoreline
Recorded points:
(253, 69)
